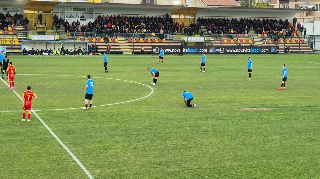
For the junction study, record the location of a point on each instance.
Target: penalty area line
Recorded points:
(56, 137)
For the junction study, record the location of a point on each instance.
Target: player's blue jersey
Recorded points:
(187, 95)
(90, 84)
(153, 70)
(284, 72)
(105, 58)
(249, 64)
(2, 56)
(161, 53)
(203, 59)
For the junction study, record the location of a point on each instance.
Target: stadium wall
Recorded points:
(111, 10)
(257, 13)
(131, 11)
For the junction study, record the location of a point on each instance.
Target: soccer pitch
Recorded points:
(142, 131)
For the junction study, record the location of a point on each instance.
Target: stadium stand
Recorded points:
(128, 34)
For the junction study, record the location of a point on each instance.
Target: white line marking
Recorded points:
(55, 136)
(62, 75)
(29, 74)
(97, 77)
(309, 62)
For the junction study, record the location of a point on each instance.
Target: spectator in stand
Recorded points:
(108, 48)
(40, 18)
(66, 26)
(304, 33)
(55, 19)
(26, 23)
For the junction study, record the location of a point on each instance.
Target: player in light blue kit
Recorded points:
(203, 63)
(2, 56)
(89, 92)
(284, 77)
(188, 97)
(161, 55)
(105, 63)
(249, 67)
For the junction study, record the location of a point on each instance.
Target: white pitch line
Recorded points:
(73, 108)
(29, 74)
(56, 137)
(62, 75)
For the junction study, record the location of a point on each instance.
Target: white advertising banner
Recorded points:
(4, 49)
(43, 37)
(194, 39)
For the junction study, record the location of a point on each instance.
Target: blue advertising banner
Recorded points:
(217, 49)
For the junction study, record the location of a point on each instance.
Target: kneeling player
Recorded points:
(155, 75)
(187, 97)
(28, 98)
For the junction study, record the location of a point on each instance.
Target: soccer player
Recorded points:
(89, 92)
(249, 67)
(187, 97)
(11, 72)
(283, 77)
(5, 64)
(154, 74)
(2, 56)
(161, 54)
(28, 98)
(203, 63)
(105, 60)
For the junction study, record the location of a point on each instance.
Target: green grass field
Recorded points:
(157, 136)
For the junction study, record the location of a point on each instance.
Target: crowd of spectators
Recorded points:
(77, 51)
(113, 25)
(273, 27)
(7, 20)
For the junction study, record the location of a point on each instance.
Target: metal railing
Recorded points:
(136, 42)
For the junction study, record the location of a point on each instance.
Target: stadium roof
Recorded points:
(220, 2)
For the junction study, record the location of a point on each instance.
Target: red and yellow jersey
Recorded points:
(11, 71)
(27, 97)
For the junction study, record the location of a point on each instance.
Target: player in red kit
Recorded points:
(28, 98)
(11, 72)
